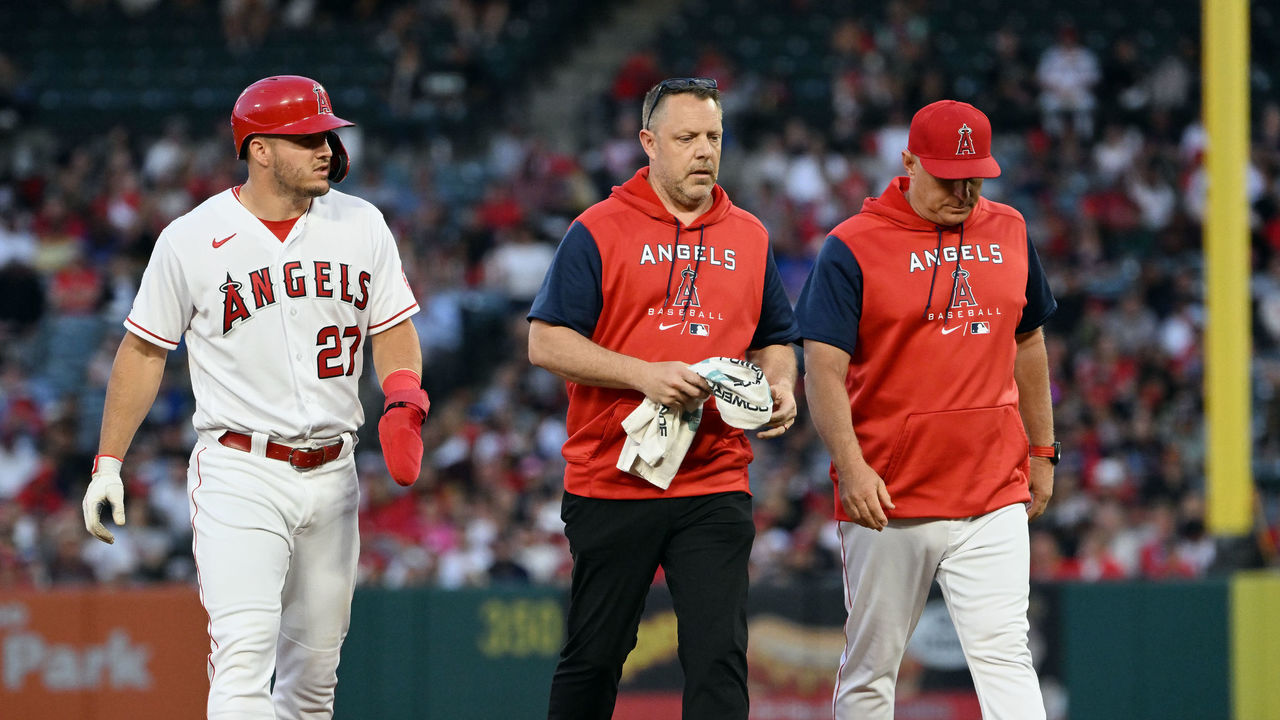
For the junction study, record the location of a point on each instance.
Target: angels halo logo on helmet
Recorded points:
(289, 105)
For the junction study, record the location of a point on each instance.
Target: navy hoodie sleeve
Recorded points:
(571, 294)
(777, 324)
(1040, 301)
(830, 304)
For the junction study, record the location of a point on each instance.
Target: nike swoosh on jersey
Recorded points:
(219, 243)
(664, 326)
(948, 331)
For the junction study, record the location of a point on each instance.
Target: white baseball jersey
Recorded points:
(275, 330)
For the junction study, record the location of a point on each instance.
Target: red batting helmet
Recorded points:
(289, 105)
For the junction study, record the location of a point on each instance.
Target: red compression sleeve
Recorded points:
(402, 379)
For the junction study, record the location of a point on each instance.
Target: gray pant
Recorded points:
(982, 565)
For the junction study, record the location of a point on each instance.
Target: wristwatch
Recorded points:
(1052, 452)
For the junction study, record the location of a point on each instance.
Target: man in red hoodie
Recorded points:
(926, 373)
(662, 274)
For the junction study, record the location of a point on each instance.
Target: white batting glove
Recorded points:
(106, 486)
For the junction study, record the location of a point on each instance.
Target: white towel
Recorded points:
(657, 442)
(741, 390)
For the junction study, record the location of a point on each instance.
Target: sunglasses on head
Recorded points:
(677, 85)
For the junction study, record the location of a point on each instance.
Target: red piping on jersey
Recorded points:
(393, 317)
(161, 339)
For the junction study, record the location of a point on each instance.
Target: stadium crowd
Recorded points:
(1101, 151)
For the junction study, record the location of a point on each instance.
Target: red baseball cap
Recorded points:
(953, 141)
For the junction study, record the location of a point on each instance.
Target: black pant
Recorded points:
(703, 544)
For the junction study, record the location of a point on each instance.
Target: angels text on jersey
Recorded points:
(320, 280)
(968, 253)
(686, 305)
(963, 302)
(662, 253)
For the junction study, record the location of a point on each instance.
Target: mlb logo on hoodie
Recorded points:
(699, 329)
(979, 328)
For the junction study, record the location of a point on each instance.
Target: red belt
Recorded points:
(301, 458)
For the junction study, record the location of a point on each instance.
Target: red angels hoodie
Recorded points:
(930, 381)
(670, 292)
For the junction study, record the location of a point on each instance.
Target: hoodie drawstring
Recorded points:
(955, 275)
(937, 252)
(667, 300)
(697, 265)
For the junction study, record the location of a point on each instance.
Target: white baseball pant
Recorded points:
(276, 552)
(982, 565)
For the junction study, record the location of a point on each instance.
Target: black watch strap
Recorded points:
(1052, 452)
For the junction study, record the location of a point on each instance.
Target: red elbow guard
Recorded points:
(400, 429)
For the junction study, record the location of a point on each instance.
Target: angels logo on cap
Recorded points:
(965, 147)
(953, 141)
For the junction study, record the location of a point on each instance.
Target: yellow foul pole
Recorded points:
(1226, 247)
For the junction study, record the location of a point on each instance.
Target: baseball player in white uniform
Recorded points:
(276, 286)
